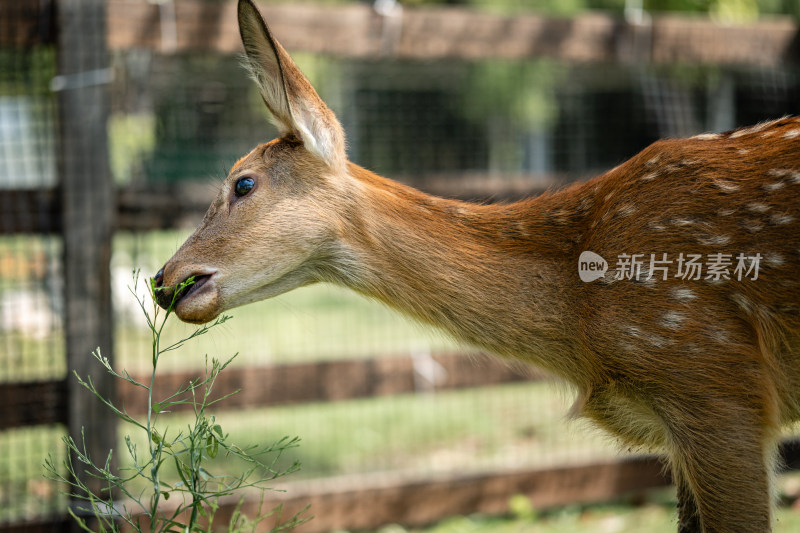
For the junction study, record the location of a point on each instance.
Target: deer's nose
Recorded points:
(158, 279)
(163, 294)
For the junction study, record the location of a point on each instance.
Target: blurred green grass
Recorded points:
(656, 515)
(24, 492)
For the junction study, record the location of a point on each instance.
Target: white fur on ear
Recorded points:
(295, 106)
(272, 92)
(319, 135)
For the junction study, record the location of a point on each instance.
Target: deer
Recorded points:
(675, 350)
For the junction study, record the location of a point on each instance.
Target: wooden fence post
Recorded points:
(88, 212)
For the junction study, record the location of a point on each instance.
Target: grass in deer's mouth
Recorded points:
(191, 285)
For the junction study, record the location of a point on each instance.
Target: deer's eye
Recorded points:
(244, 186)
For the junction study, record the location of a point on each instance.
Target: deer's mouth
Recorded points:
(199, 302)
(200, 281)
(196, 302)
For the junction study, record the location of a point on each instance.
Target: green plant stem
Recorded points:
(155, 463)
(151, 442)
(189, 451)
(155, 448)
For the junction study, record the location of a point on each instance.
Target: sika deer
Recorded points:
(690, 345)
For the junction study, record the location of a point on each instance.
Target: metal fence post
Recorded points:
(88, 214)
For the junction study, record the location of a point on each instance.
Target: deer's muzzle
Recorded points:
(165, 295)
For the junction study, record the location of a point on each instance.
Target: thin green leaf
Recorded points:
(212, 446)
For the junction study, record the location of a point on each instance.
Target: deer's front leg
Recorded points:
(688, 515)
(720, 449)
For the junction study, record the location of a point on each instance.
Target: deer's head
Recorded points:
(273, 225)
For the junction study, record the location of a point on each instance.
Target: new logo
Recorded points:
(591, 266)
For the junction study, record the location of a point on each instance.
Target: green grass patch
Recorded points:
(24, 492)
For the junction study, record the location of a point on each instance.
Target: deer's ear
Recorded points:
(295, 106)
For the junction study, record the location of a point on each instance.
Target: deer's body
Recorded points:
(706, 369)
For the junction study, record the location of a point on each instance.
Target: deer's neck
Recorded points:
(497, 277)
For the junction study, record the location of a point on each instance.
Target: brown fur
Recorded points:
(705, 371)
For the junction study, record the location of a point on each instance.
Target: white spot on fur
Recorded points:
(626, 210)
(743, 151)
(707, 136)
(744, 131)
(726, 211)
(650, 176)
(652, 339)
(781, 220)
(670, 168)
(657, 340)
(653, 160)
(632, 330)
(757, 207)
(754, 129)
(683, 295)
(719, 335)
(742, 301)
(714, 240)
(726, 186)
(673, 320)
(608, 196)
(771, 187)
(791, 134)
(682, 222)
(775, 259)
(792, 175)
(752, 226)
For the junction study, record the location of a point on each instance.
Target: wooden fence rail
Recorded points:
(30, 404)
(374, 500)
(288, 384)
(180, 205)
(357, 31)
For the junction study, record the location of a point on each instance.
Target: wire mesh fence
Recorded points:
(173, 123)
